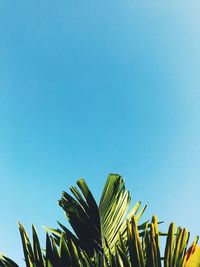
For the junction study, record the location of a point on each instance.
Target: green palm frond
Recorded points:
(83, 214)
(113, 208)
(95, 225)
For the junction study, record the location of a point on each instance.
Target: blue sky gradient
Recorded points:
(93, 87)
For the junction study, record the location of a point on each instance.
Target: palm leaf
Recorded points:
(94, 225)
(83, 214)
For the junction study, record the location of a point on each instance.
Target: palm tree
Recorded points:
(106, 235)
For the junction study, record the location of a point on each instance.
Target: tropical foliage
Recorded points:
(106, 235)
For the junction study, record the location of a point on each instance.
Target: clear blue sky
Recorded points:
(93, 87)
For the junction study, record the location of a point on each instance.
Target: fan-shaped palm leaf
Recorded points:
(97, 227)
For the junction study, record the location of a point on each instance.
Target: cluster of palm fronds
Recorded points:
(106, 235)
